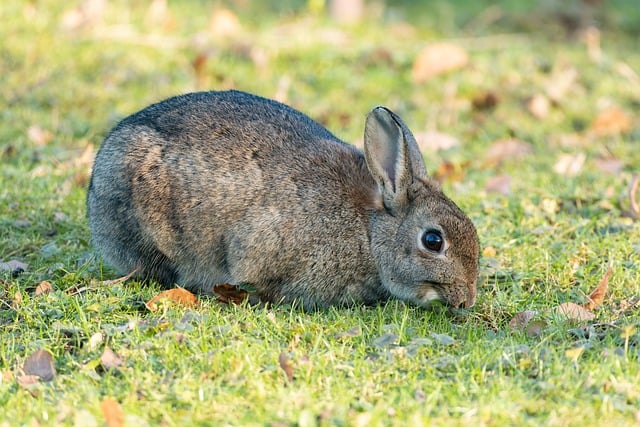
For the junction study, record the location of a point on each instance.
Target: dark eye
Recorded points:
(432, 240)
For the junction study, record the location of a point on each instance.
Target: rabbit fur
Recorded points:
(228, 187)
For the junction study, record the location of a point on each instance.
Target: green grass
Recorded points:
(554, 236)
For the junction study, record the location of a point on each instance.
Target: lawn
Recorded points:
(534, 132)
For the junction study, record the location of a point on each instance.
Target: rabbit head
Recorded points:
(425, 248)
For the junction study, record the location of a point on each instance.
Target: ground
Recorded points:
(528, 117)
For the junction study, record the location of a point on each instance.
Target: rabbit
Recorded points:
(228, 187)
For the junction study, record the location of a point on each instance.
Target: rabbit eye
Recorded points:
(432, 240)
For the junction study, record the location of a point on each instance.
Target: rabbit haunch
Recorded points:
(227, 187)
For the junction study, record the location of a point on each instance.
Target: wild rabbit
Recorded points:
(228, 187)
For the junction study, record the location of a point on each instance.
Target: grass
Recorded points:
(551, 238)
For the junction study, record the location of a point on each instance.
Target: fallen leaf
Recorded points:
(574, 311)
(611, 121)
(17, 299)
(110, 360)
(112, 412)
(634, 208)
(499, 184)
(560, 83)
(507, 149)
(230, 294)
(597, 296)
(286, 365)
(178, 296)
(489, 252)
(539, 106)
(95, 340)
(40, 364)
(436, 59)
(569, 164)
(485, 101)
(574, 353)
(521, 320)
(436, 141)
(224, 23)
(38, 135)
(27, 381)
(44, 288)
(449, 171)
(609, 165)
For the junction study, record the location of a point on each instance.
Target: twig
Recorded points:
(74, 290)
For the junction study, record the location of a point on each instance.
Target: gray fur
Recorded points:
(227, 187)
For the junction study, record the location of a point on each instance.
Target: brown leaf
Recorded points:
(39, 136)
(286, 365)
(633, 204)
(609, 165)
(40, 364)
(449, 171)
(521, 320)
(611, 121)
(434, 140)
(507, 149)
(485, 100)
(436, 59)
(597, 296)
(499, 184)
(17, 299)
(569, 164)
(230, 294)
(539, 106)
(112, 412)
(560, 83)
(178, 296)
(574, 311)
(224, 23)
(26, 381)
(44, 288)
(110, 360)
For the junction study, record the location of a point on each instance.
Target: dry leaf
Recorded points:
(39, 136)
(499, 184)
(95, 340)
(485, 100)
(569, 164)
(574, 353)
(489, 252)
(178, 296)
(286, 365)
(609, 165)
(346, 11)
(507, 149)
(539, 106)
(112, 412)
(230, 294)
(574, 311)
(633, 189)
(521, 320)
(110, 360)
(224, 23)
(17, 299)
(560, 83)
(26, 381)
(597, 296)
(436, 59)
(40, 364)
(44, 288)
(434, 140)
(611, 121)
(448, 171)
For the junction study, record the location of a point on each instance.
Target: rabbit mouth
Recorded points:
(445, 293)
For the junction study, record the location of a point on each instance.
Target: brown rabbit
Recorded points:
(228, 187)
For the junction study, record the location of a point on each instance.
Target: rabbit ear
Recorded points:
(392, 155)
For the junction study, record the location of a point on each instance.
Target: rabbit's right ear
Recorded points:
(392, 155)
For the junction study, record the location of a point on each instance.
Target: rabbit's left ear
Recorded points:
(392, 155)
